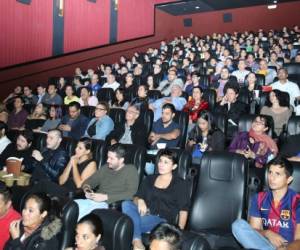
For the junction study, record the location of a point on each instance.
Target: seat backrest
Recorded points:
(210, 96)
(245, 123)
(117, 229)
(154, 94)
(106, 94)
(260, 79)
(39, 141)
(69, 144)
(220, 120)
(117, 115)
(87, 111)
(182, 119)
(136, 155)
(220, 196)
(293, 125)
(69, 216)
(205, 79)
(292, 68)
(99, 149)
(146, 117)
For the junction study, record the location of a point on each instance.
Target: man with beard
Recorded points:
(165, 130)
(20, 149)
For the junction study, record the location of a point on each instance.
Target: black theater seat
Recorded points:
(220, 197)
(117, 229)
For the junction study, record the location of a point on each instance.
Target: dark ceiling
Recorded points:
(195, 6)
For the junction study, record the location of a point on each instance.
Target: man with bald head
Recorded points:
(50, 163)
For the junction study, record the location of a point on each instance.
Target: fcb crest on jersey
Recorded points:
(285, 214)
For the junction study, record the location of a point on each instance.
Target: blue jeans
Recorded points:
(248, 237)
(86, 206)
(141, 224)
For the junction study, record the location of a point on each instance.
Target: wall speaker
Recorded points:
(93, 1)
(227, 17)
(24, 1)
(187, 22)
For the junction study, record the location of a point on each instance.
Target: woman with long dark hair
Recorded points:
(277, 106)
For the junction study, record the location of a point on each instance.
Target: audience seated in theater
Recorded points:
(50, 163)
(41, 91)
(161, 198)
(251, 63)
(94, 86)
(101, 125)
(251, 89)
(270, 226)
(37, 118)
(3, 113)
(18, 91)
(54, 119)
(165, 236)
(28, 97)
(195, 81)
(77, 82)
(89, 231)
(291, 148)
(175, 99)
(80, 167)
(231, 107)
(17, 118)
(165, 130)
(255, 144)
(142, 99)
(111, 82)
(269, 74)
(115, 181)
(70, 95)
(285, 85)
(73, 124)
(157, 76)
(219, 86)
(61, 87)
(241, 72)
(51, 97)
(274, 61)
(7, 213)
(195, 105)
(205, 134)
(4, 141)
(21, 148)
(129, 85)
(78, 73)
(150, 83)
(86, 99)
(38, 227)
(132, 131)
(165, 86)
(277, 106)
(120, 99)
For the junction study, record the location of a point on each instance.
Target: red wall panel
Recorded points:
(26, 31)
(86, 24)
(135, 19)
(251, 18)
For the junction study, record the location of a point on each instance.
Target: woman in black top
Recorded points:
(80, 167)
(205, 134)
(160, 198)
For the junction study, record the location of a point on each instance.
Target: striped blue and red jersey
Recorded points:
(281, 219)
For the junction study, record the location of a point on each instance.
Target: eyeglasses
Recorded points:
(102, 109)
(259, 123)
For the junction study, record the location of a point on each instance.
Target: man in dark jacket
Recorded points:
(51, 162)
(231, 107)
(132, 131)
(74, 124)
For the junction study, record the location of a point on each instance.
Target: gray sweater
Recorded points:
(118, 185)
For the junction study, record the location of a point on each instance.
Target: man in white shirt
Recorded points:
(285, 85)
(111, 82)
(4, 141)
(241, 72)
